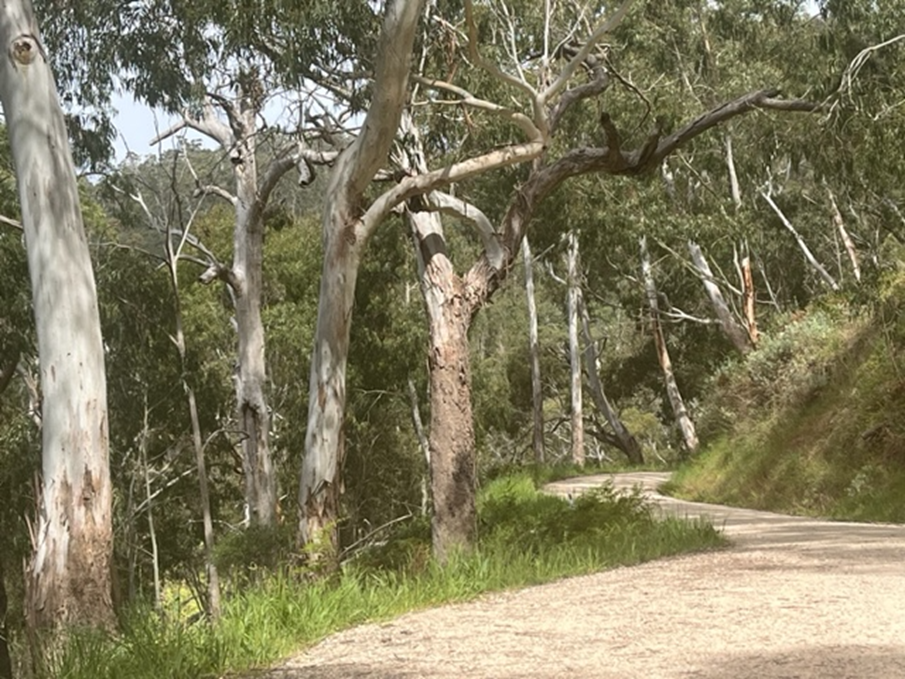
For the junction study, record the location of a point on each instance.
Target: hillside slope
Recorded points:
(812, 422)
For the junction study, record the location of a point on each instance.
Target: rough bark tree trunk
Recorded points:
(449, 314)
(683, 419)
(574, 294)
(452, 442)
(69, 578)
(731, 327)
(537, 395)
(626, 442)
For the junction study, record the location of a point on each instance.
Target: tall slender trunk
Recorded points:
(6, 662)
(574, 295)
(749, 299)
(626, 442)
(423, 443)
(251, 376)
(69, 578)
(213, 579)
(731, 327)
(672, 388)
(537, 395)
(734, 189)
(152, 533)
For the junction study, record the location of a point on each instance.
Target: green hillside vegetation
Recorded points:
(811, 422)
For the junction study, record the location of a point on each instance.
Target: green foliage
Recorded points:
(820, 433)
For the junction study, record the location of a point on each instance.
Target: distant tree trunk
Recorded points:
(152, 533)
(6, 663)
(574, 295)
(843, 233)
(537, 396)
(345, 235)
(734, 189)
(749, 300)
(423, 442)
(672, 388)
(731, 327)
(213, 579)
(806, 251)
(624, 440)
(69, 579)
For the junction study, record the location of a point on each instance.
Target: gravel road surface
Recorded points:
(793, 598)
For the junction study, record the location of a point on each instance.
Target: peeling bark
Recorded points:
(69, 579)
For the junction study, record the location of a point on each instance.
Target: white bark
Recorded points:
(69, 577)
(843, 234)
(345, 234)
(574, 296)
(683, 419)
(731, 327)
(537, 396)
(824, 274)
(734, 189)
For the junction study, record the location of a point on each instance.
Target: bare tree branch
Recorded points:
(448, 204)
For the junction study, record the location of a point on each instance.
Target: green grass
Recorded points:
(526, 538)
(827, 438)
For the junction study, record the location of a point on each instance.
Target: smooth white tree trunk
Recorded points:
(537, 395)
(574, 295)
(345, 234)
(69, 578)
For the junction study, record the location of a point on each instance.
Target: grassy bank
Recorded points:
(811, 423)
(525, 538)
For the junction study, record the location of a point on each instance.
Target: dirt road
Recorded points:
(793, 598)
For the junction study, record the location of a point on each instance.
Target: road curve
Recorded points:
(793, 598)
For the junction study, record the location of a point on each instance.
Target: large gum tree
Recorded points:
(69, 577)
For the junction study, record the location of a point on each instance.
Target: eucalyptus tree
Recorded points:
(69, 576)
(548, 77)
